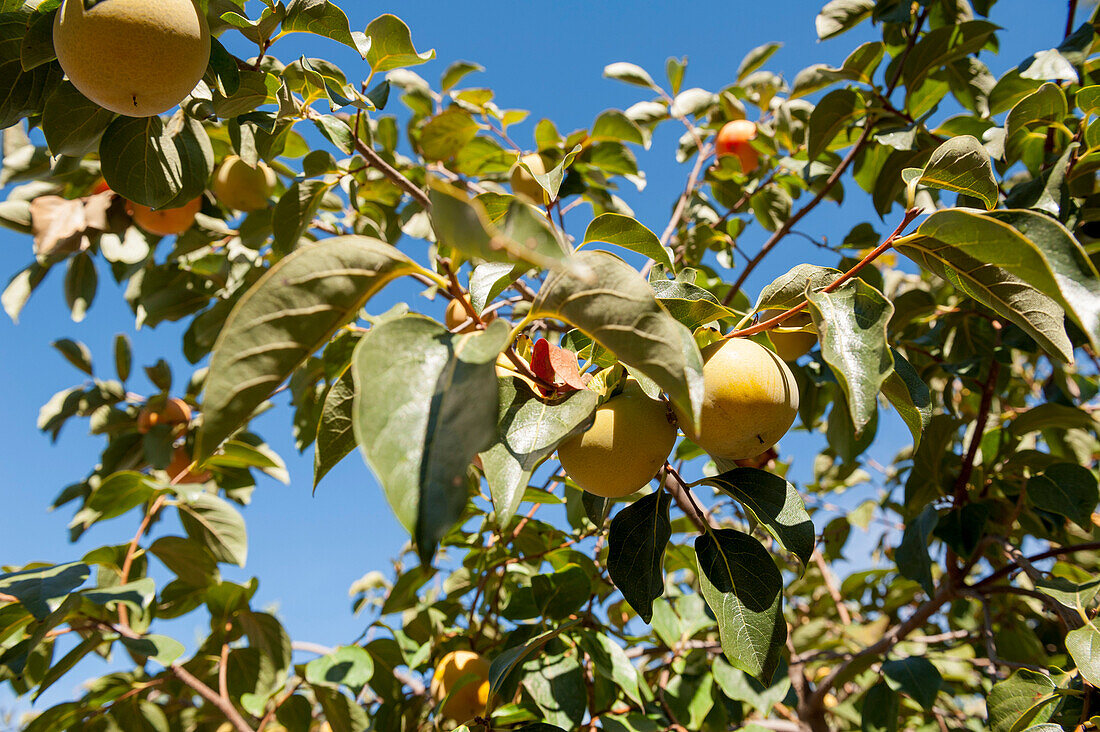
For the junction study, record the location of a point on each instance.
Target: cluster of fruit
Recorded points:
(176, 415)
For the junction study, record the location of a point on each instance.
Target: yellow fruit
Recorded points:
(239, 186)
(456, 314)
(135, 57)
(166, 221)
(790, 346)
(750, 400)
(467, 698)
(524, 184)
(625, 447)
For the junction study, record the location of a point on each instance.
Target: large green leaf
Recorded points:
(71, 123)
(962, 165)
(22, 93)
(41, 590)
(1023, 698)
(614, 306)
(835, 111)
(1083, 645)
(425, 405)
(612, 663)
(1066, 489)
(775, 503)
(914, 676)
(629, 233)
(909, 395)
(215, 524)
(521, 235)
(880, 709)
(789, 289)
(391, 45)
(912, 553)
(529, 428)
(744, 589)
(839, 16)
(504, 668)
(851, 324)
(323, 18)
(1077, 278)
(154, 163)
(636, 545)
(997, 266)
(287, 315)
(335, 433)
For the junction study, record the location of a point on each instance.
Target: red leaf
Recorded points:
(556, 365)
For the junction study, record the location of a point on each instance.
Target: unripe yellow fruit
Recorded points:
(239, 186)
(524, 184)
(468, 700)
(790, 346)
(627, 444)
(456, 314)
(750, 400)
(135, 57)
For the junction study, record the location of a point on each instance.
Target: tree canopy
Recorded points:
(269, 206)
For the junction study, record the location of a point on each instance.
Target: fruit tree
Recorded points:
(583, 422)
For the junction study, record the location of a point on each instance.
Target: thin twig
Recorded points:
(830, 585)
(873, 255)
(211, 696)
(961, 494)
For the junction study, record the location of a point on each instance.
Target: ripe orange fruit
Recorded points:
(733, 139)
(165, 221)
(181, 461)
(175, 411)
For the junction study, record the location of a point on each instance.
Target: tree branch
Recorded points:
(961, 495)
(211, 696)
(871, 256)
(680, 493)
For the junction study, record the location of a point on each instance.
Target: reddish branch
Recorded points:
(856, 269)
(831, 181)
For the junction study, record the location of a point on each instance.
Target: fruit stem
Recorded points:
(871, 256)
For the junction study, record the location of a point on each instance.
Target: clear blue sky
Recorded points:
(543, 57)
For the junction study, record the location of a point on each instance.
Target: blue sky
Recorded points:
(543, 57)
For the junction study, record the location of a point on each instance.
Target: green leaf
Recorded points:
(70, 659)
(190, 560)
(916, 677)
(158, 648)
(851, 324)
(22, 93)
(503, 669)
(556, 683)
(1077, 596)
(839, 16)
(522, 235)
(323, 18)
(744, 589)
(689, 304)
(926, 480)
(530, 428)
(739, 686)
(615, 307)
(790, 289)
(295, 211)
(756, 58)
(216, 525)
(835, 111)
(912, 553)
(561, 593)
(425, 405)
(612, 662)
(961, 165)
(341, 712)
(630, 73)
(1083, 645)
(119, 493)
(990, 261)
(1066, 489)
(41, 591)
(123, 356)
(335, 432)
(881, 707)
(1076, 277)
(392, 46)
(940, 46)
(636, 544)
(287, 315)
(137, 595)
(1021, 699)
(629, 233)
(75, 353)
(455, 73)
(614, 125)
(447, 133)
(81, 284)
(155, 164)
(909, 395)
(775, 503)
(351, 666)
(71, 123)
